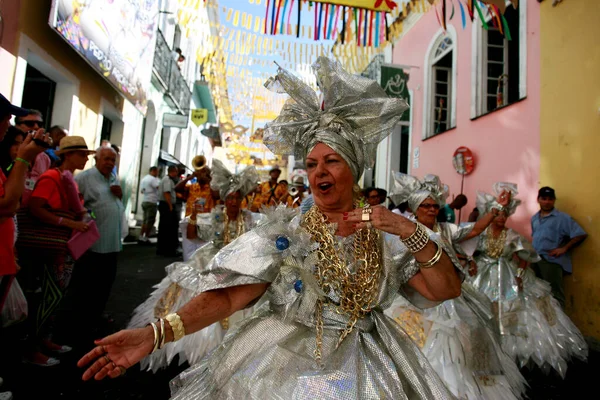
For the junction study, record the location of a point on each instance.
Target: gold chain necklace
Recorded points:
(239, 227)
(494, 246)
(357, 291)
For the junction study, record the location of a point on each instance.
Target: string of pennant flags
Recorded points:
(298, 31)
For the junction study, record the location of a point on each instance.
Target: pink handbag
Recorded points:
(80, 242)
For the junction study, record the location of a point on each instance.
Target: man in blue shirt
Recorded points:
(554, 235)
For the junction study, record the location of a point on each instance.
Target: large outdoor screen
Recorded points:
(116, 37)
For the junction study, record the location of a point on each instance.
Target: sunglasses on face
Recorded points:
(428, 206)
(31, 124)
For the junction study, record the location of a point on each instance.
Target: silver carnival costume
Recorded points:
(179, 286)
(534, 328)
(458, 336)
(301, 344)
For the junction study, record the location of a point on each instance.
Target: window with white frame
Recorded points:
(499, 62)
(441, 82)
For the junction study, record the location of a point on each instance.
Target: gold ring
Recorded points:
(108, 360)
(103, 349)
(366, 217)
(367, 210)
(123, 370)
(113, 364)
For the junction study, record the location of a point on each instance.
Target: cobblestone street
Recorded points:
(139, 270)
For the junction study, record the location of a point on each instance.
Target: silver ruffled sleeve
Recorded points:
(520, 246)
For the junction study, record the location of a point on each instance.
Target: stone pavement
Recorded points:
(140, 269)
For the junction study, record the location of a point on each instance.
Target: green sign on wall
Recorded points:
(394, 82)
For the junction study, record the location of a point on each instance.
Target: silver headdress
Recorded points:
(357, 114)
(486, 202)
(414, 191)
(226, 182)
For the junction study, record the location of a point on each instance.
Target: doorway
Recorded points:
(38, 93)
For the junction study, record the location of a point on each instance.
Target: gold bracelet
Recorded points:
(155, 329)
(417, 240)
(434, 260)
(177, 326)
(162, 334)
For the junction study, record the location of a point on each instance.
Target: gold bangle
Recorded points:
(434, 260)
(417, 240)
(177, 326)
(155, 329)
(162, 334)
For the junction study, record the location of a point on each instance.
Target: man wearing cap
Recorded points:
(271, 191)
(555, 234)
(11, 190)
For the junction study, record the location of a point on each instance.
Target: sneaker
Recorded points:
(6, 396)
(41, 360)
(56, 348)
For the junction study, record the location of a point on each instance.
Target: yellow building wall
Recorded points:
(570, 140)
(33, 22)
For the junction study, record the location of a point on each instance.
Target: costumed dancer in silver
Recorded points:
(217, 229)
(533, 326)
(459, 336)
(327, 274)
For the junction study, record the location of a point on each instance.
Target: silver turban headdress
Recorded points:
(357, 114)
(486, 202)
(226, 183)
(414, 191)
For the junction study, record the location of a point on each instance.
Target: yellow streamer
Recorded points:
(256, 23)
(236, 18)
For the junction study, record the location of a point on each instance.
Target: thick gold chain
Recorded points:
(239, 227)
(495, 246)
(356, 290)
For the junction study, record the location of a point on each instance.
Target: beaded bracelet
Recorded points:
(418, 240)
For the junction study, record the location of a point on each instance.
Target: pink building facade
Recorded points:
(460, 70)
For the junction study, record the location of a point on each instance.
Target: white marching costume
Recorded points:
(533, 326)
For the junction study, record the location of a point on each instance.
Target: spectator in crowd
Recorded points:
(117, 150)
(32, 121)
(149, 189)
(57, 133)
(375, 196)
(285, 198)
(9, 148)
(11, 189)
(252, 201)
(168, 236)
(474, 216)
(272, 191)
(95, 271)
(300, 188)
(555, 234)
(403, 209)
(196, 189)
(447, 213)
(54, 212)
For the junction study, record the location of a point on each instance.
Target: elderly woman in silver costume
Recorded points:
(534, 328)
(458, 336)
(328, 275)
(217, 229)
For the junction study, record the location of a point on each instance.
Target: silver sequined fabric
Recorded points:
(356, 115)
(534, 327)
(271, 354)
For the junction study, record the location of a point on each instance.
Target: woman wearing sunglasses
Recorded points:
(457, 336)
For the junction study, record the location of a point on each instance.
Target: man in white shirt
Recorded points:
(149, 188)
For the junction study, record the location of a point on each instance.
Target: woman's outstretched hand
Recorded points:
(117, 352)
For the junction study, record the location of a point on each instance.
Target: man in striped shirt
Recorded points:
(95, 271)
